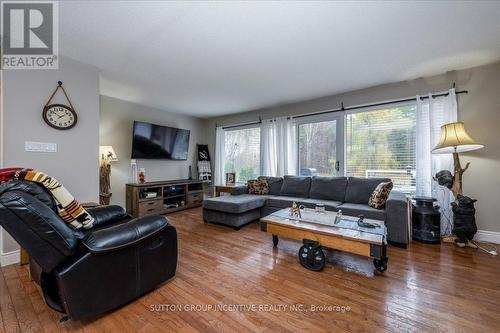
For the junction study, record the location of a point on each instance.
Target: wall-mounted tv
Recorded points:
(159, 142)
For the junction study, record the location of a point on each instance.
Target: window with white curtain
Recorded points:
(242, 153)
(382, 143)
(368, 143)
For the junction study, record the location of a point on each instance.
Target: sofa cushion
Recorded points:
(329, 204)
(286, 202)
(274, 184)
(359, 190)
(233, 220)
(296, 186)
(268, 210)
(330, 188)
(353, 209)
(235, 203)
(258, 186)
(281, 201)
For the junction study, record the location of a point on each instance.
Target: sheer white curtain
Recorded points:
(432, 113)
(220, 138)
(286, 146)
(278, 147)
(269, 160)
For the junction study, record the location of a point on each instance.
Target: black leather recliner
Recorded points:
(84, 273)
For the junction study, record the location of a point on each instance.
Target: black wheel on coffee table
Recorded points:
(380, 264)
(312, 257)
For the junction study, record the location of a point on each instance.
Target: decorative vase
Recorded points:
(133, 172)
(142, 175)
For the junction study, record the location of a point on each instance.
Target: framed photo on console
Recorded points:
(230, 178)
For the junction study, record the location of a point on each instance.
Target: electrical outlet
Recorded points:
(40, 147)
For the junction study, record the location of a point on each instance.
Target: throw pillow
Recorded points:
(380, 195)
(258, 186)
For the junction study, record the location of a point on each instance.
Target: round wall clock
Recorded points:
(59, 116)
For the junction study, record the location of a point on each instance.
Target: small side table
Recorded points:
(25, 258)
(226, 188)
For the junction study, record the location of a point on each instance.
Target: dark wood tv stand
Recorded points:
(163, 197)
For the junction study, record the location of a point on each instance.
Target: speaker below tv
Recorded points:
(152, 141)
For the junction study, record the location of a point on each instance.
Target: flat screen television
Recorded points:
(152, 141)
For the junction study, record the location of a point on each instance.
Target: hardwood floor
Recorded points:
(426, 288)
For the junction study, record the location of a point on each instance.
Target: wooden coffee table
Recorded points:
(317, 231)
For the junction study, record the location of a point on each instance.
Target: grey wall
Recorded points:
(480, 110)
(117, 117)
(75, 163)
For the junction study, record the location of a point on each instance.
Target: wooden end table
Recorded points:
(226, 188)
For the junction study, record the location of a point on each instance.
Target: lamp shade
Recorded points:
(108, 153)
(454, 139)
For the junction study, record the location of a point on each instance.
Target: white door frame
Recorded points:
(339, 117)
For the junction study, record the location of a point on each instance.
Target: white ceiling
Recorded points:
(214, 58)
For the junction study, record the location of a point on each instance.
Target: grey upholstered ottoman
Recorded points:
(233, 210)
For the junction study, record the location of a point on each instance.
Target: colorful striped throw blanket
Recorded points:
(67, 207)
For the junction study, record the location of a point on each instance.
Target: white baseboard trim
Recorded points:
(488, 236)
(10, 258)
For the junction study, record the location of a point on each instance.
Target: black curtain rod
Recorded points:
(349, 108)
(241, 125)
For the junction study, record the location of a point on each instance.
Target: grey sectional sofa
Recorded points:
(350, 194)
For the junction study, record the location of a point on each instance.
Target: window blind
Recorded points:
(382, 143)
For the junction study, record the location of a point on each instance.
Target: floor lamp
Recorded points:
(108, 155)
(454, 140)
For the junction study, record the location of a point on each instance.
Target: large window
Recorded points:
(382, 143)
(242, 153)
(318, 148)
(378, 143)
(368, 143)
